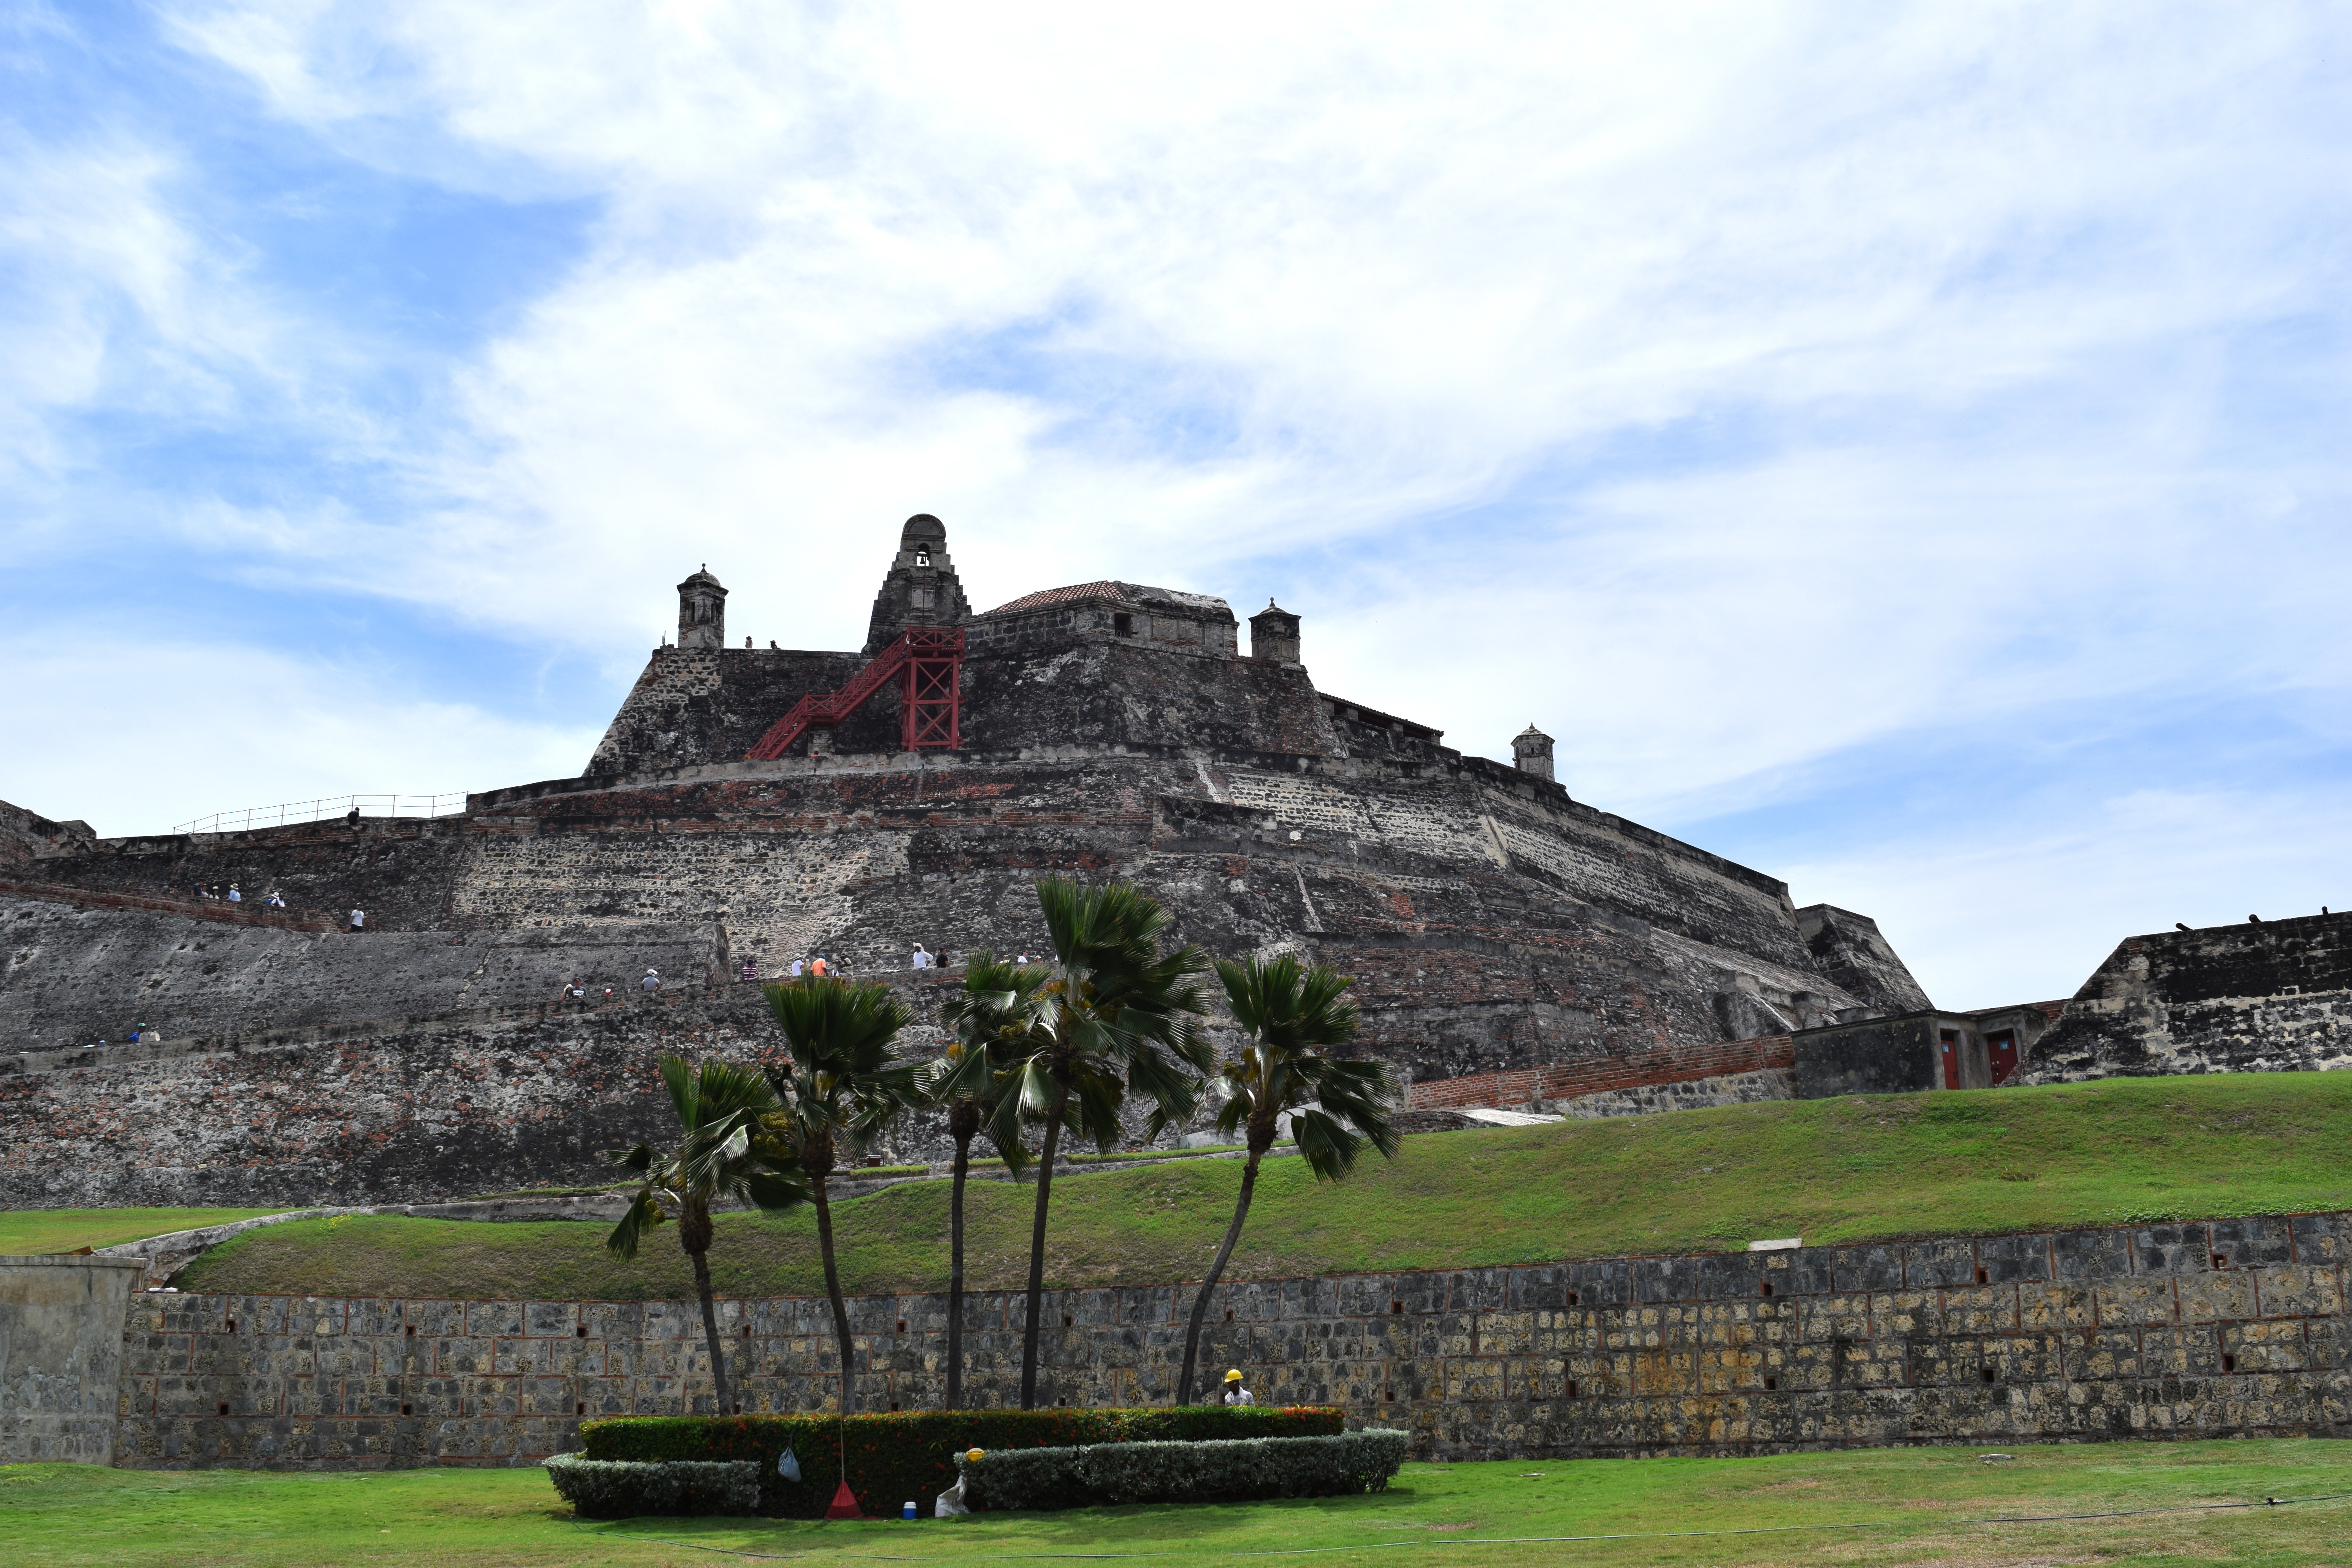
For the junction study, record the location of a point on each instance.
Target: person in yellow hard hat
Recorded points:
(1235, 1392)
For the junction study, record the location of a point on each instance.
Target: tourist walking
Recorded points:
(922, 959)
(359, 919)
(234, 896)
(751, 970)
(799, 969)
(817, 967)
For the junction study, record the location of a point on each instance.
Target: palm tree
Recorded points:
(1290, 1016)
(1117, 1016)
(999, 1006)
(840, 1089)
(723, 1157)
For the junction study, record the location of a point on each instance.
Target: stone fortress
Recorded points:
(1513, 946)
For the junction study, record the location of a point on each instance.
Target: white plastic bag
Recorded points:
(787, 1465)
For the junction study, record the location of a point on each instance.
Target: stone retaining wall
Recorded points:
(1610, 1075)
(2228, 1328)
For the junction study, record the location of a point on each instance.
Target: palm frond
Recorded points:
(643, 1215)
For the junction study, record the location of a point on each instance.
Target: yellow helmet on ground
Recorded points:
(1234, 1375)
(974, 1455)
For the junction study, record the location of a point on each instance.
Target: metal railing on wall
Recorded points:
(325, 809)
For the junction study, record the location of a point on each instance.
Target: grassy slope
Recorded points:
(56, 1516)
(25, 1231)
(1690, 1181)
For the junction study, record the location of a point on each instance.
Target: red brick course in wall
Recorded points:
(1565, 1080)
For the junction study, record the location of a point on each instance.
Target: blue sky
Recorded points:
(1902, 448)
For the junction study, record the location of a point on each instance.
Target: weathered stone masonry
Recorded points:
(2227, 1327)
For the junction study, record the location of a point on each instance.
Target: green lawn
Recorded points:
(62, 1230)
(1834, 1170)
(1888, 1506)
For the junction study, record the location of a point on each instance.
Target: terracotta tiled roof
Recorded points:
(1076, 593)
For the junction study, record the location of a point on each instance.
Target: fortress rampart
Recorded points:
(2226, 1328)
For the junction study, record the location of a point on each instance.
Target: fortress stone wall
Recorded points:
(2227, 1327)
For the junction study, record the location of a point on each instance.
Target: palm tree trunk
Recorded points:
(955, 1273)
(1037, 1248)
(833, 1290)
(701, 1256)
(1216, 1272)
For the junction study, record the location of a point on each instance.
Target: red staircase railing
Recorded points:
(928, 660)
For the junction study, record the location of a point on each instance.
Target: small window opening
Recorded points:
(232, 1325)
(2229, 1362)
(581, 1408)
(223, 1408)
(408, 1409)
(1390, 1394)
(1571, 1298)
(739, 1410)
(582, 1330)
(412, 1331)
(1122, 624)
(1229, 1314)
(1059, 1402)
(1984, 1277)
(922, 558)
(1770, 1382)
(902, 1329)
(1067, 1322)
(2221, 1261)
(1768, 1288)
(1396, 1309)
(1989, 1375)
(747, 1331)
(1571, 1388)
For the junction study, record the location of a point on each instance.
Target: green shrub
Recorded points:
(893, 1457)
(598, 1489)
(1108, 1474)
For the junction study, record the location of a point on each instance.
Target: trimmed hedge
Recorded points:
(599, 1488)
(898, 1456)
(1109, 1474)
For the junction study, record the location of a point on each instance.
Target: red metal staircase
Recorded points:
(929, 662)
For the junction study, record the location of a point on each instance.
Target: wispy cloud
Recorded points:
(1743, 394)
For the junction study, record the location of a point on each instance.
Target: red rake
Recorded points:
(845, 1504)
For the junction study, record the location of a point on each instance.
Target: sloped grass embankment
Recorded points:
(1836, 1170)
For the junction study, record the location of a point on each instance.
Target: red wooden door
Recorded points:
(2001, 1050)
(1951, 1041)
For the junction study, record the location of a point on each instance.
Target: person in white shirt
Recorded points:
(1235, 1393)
(359, 919)
(922, 959)
(800, 967)
(652, 982)
(234, 896)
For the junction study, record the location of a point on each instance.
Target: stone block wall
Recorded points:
(61, 1343)
(2232, 1327)
(1573, 1080)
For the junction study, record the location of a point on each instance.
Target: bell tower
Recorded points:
(702, 612)
(921, 589)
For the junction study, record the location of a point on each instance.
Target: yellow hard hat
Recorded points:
(974, 1455)
(1234, 1375)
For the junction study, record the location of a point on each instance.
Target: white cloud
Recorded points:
(1728, 389)
(192, 728)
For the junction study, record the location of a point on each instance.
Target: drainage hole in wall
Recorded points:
(1571, 1388)
(412, 1331)
(2229, 1362)
(902, 1329)
(747, 1331)
(739, 1410)
(581, 1408)
(894, 1405)
(1390, 1395)
(582, 1331)
(1986, 1374)
(1396, 1309)
(1571, 1298)
(1229, 1314)
(1059, 1402)
(1984, 1277)
(223, 1407)
(1767, 1287)
(1772, 1382)
(232, 1325)
(1067, 1322)
(2221, 1261)
(407, 1410)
